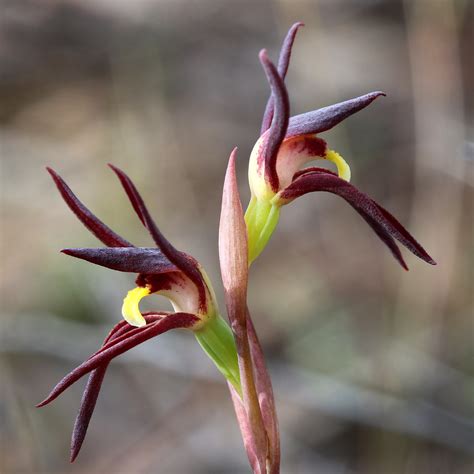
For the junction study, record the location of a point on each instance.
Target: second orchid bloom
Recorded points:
(286, 144)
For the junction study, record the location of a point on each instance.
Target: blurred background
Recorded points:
(372, 366)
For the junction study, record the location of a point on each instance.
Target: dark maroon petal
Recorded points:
(94, 383)
(283, 63)
(173, 321)
(380, 219)
(91, 393)
(376, 227)
(386, 238)
(123, 330)
(277, 130)
(184, 262)
(95, 225)
(404, 237)
(286, 47)
(129, 331)
(88, 402)
(126, 259)
(142, 211)
(323, 119)
(115, 329)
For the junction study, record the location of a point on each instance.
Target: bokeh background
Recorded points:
(372, 366)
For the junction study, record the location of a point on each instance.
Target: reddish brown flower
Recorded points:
(286, 144)
(162, 270)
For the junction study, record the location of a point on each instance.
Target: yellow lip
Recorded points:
(130, 309)
(343, 169)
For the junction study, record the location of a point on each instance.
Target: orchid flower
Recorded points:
(163, 270)
(286, 144)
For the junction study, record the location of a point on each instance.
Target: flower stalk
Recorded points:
(261, 218)
(217, 341)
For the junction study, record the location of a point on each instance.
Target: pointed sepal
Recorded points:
(126, 259)
(328, 117)
(283, 63)
(94, 384)
(384, 224)
(135, 337)
(88, 403)
(279, 125)
(93, 223)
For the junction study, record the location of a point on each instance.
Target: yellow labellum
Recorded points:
(130, 310)
(343, 169)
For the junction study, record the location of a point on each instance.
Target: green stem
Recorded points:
(268, 228)
(218, 343)
(250, 214)
(261, 218)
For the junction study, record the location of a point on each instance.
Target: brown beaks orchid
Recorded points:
(277, 176)
(286, 144)
(162, 270)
